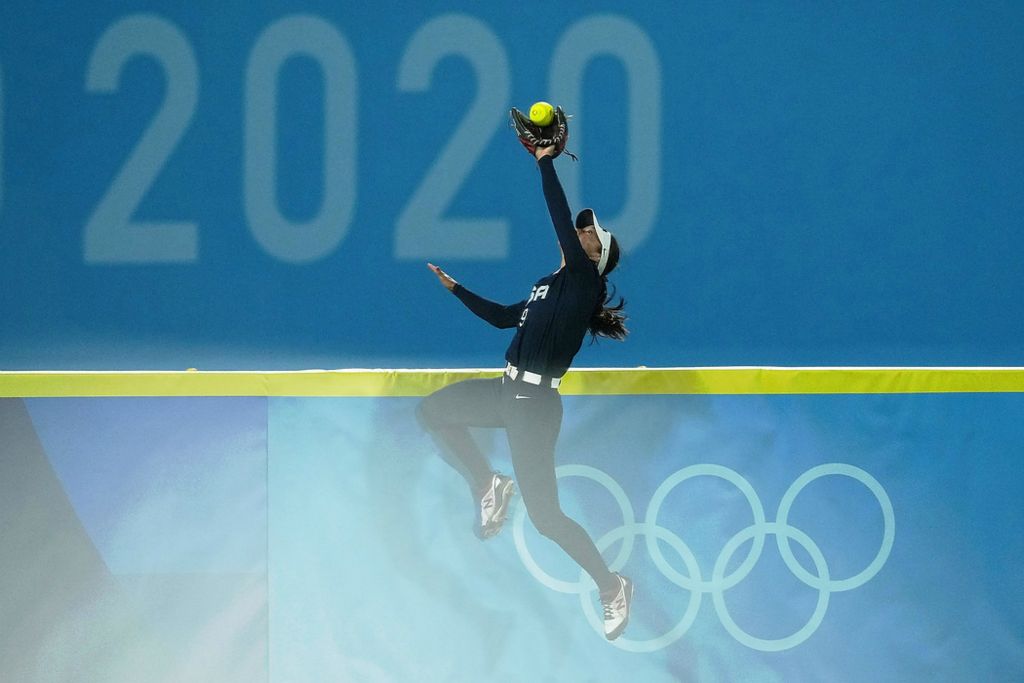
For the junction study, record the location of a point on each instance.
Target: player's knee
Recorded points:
(429, 414)
(424, 415)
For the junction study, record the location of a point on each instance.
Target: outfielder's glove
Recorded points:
(555, 134)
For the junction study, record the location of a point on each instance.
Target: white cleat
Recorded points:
(616, 608)
(494, 506)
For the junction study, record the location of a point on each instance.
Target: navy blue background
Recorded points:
(838, 185)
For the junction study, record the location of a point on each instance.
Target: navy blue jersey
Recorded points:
(553, 320)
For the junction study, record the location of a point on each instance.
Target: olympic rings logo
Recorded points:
(720, 581)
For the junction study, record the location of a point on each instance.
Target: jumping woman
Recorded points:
(550, 326)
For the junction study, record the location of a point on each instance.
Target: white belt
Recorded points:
(531, 377)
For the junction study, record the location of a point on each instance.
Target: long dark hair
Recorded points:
(609, 320)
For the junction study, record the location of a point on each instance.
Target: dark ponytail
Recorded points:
(609, 321)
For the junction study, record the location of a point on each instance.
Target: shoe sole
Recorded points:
(507, 491)
(491, 530)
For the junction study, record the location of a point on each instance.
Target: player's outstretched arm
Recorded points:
(561, 216)
(496, 314)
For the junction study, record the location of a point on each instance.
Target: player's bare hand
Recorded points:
(447, 280)
(541, 152)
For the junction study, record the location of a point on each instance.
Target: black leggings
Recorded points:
(532, 418)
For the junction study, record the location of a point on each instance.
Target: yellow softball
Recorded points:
(542, 113)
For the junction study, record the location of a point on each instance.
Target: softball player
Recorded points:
(550, 326)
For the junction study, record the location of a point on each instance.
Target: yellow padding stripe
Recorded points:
(764, 380)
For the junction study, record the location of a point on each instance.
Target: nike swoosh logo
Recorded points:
(521, 396)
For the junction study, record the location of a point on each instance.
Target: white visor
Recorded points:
(588, 217)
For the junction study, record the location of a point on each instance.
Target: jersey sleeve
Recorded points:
(496, 314)
(561, 217)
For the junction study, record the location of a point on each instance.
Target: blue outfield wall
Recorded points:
(258, 185)
(802, 532)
